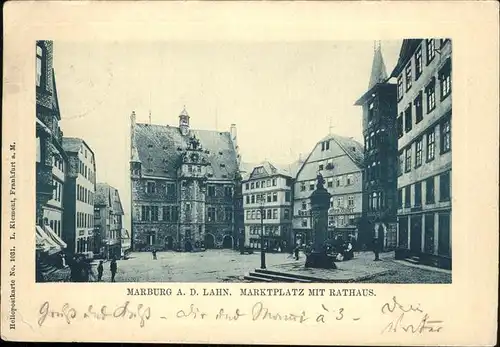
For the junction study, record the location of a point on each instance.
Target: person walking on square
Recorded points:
(100, 270)
(113, 267)
(154, 254)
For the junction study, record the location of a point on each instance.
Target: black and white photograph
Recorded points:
(246, 162)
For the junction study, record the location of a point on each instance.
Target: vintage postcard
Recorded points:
(242, 172)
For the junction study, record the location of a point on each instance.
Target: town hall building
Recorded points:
(182, 187)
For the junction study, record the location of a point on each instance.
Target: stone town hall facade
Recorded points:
(183, 183)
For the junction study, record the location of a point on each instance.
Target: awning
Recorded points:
(41, 244)
(45, 242)
(55, 237)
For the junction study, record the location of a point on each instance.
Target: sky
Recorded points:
(282, 96)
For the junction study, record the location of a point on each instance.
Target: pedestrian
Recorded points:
(154, 254)
(296, 250)
(76, 269)
(376, 249)
(100, 270)
(113, 267)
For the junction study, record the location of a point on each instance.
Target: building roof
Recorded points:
(350, 146)
(160, 147)
(55, 99)
(408, 47)
(104, 197)
(71, 144)
(270, 169)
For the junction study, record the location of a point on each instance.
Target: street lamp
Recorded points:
(262, 253)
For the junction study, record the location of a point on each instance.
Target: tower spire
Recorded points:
(379, 72)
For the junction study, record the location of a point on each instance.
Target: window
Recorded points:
(446, 136)
(211, 190)
(400, 125)
(286, 213)
(321, 165)
(418, 63)
(331, 202)
(304, 205)
(302, 186)
(444, 187)
(154, 213)
(408, 76)
(329, 182)
(340, 202)
(350, 201)
(370, 111)
(408, 118)
(304, 222)
(408, 196)
(257, 184)
(171, 190)
(322, 146)
(252, 185)
(429, 191)
(327, 145)
(401, 163)
(331, 221)
(275, 213)
(408, 159)
(400, 87)
(418, 194)
(337, 181)
(311, 185)
(419, 112)
(257, 214)
(40, 65)
(275, 197)
(228, 191)
(400, 198)
(247, 199)
(253, 199)
(211, 214)
(349, 180)
(228, 214)
(268, 197)
(445, 80)
(431, 96)
(274, 182)
(430, 50)
(247, 186)
(167, 213)
(151, 187)
(269, 214)
(287, 197)
(248, 213)
(431, 148)
(145, 213)
(268, 183)
(418, 152)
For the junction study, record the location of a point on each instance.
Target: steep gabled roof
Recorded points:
(106, 195)
(270, 169)
(159, 148)
(408, 47)
(350, 146)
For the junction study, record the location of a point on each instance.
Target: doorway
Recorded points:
(416, 234)
(169, 243)
(227, 242)
(209, 241)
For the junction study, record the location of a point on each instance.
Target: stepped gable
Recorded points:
(160, 147)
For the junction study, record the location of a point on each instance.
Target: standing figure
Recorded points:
(154, 254)
(113, 267)
(376, 248)
(100, 270)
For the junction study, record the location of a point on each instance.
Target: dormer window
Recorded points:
(222, 165)
(150, 146)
